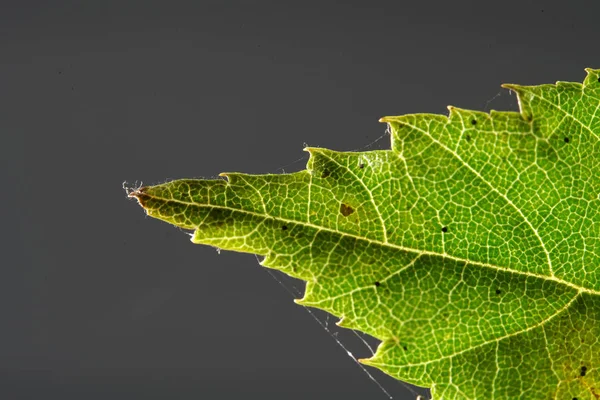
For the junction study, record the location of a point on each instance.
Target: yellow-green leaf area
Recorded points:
(471, 248)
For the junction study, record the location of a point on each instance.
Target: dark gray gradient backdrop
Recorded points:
(98, 301)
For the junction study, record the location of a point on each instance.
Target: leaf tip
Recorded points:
(140, 194)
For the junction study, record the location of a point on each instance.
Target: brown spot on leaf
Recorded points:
(325, 173)
(345, 209)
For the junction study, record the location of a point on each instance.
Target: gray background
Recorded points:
(98, 301)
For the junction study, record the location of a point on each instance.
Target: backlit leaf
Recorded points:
(471, 248)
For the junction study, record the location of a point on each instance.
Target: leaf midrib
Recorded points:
(380, 243)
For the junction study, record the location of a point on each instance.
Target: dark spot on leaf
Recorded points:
(583, 370)
(405, 348)
(284, 227)
(325, 173)
(468, 138)
(445, 229)
(498, 291)
(566, 140)
(361, 165)
(377, 284)
(599, 79)
(474, 122)
(574, 398)
(345, 209)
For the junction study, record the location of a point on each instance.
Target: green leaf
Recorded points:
(471, 249)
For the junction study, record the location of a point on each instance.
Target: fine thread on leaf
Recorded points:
(391, 245)
(338, 341)
(458, 157)
(450, 356)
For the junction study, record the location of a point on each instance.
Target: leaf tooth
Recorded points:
(381, 354)
(387, 119)
(268, 261)
(524, 98)
(569, 85)
(309, 300)
(470, 118)
(301, 302)
(320, 163)
(345, 322)
(592, 79)
(367, 361)
(312, 151)
(230, 177)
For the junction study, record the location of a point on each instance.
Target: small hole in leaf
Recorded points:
(284, 227)
(361, 165)
(498, 291)
(325, 173)
(566, 140)
(468, 138)
(445, 229)
(583, 370)
(377, 284)
(474, 122)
